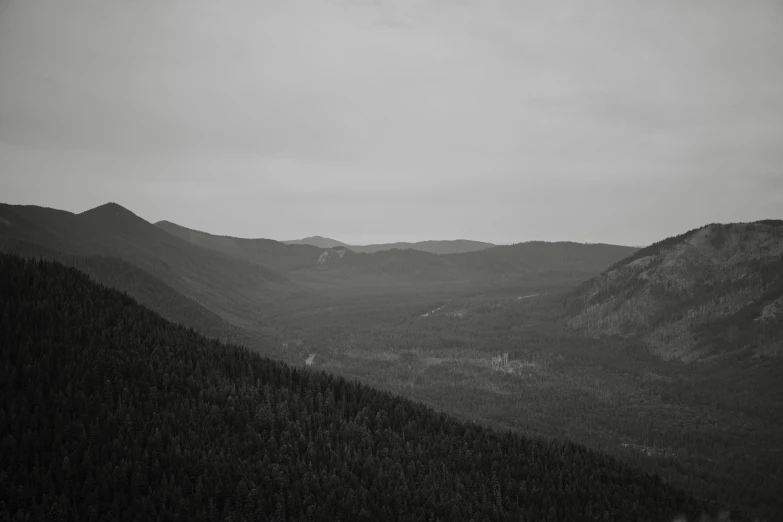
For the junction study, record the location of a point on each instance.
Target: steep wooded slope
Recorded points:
(141, 286)
(274, 254)
(704, 293)
(224, 284)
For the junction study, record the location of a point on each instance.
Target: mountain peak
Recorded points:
(108, 209)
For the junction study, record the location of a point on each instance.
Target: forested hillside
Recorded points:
(274, 254)
(543, 258)
(700, 295)
(143, 287)
(109, 412)
(231, 288)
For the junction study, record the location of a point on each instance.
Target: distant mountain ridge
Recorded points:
(446, 246)
(711, 291)
(385, 265)
(316, 241)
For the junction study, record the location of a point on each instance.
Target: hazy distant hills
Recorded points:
(455, 246)
(524, 260)
(317, 241)
(711, 291)
(383, 263)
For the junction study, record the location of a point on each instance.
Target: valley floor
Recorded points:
(706, 427)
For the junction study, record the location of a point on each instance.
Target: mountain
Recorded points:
(276, 255)
(226, 285)
(540, 257)
(317, 241)
(343, 263)
(143, 287)
(456, 246)
(532, 260)
(109, 412)
(715, 291)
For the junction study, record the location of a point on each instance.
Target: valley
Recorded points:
(706, 426)
(495, 336)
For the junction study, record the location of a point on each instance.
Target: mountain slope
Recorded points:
(539, 257)
(707, 292)
(140, 285)
(527, 260)
(534, 260)
(456, 246)
(317, 241)
(343, 263)
(124, 414)
(278, 256)
(224, 284)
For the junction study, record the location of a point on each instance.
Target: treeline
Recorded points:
(108, 412)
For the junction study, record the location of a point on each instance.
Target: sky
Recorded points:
(370, 121)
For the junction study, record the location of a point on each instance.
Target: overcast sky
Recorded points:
(622, 121)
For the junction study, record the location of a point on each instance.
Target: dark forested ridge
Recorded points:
(109, 412)
(226, 285)
(142, 286)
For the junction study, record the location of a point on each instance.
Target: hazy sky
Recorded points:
(621, 121)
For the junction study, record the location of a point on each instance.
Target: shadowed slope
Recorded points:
(224, 284)
(274, 254)
(140, 285)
